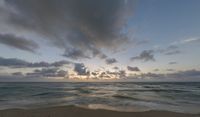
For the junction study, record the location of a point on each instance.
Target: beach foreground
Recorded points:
(71, 111)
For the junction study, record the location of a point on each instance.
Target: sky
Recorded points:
(99, 40)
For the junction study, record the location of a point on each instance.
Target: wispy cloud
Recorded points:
(170, 50)
(172, 63)
(18, 42)
(187, 41)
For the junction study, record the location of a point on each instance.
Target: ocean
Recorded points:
(124, 96)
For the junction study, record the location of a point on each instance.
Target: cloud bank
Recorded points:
(14, 62)
(47, 72)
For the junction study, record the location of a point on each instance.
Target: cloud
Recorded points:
(62, 73)
(115, 68)
(75, 54)
(98, 53)
(172, 63)
(170, 50)
(14, 62)
(105, 75)
(74, 25)
(112, 75)
(60, 63)
(122, 74)
(190, 40)
(146, 55)
(156, 70)
(187, 75)
(136, 69)
(187, 41)
(80, 69)
(173, 52)
(18, 42)
(17, 74)
(110, 61)
(48, 72)
(94, 73)
(170, 70)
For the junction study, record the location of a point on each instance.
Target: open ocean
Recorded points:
(177, 97)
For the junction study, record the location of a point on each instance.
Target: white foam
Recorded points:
(101, 106)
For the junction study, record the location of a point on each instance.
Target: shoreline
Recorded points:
(73, 111)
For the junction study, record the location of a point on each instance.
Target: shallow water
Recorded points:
(177, 97)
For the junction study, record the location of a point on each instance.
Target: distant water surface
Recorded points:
(177, 97)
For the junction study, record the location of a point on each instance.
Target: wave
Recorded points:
(42, 94)
(101, 106)
(125, 97)
(83, 90)
(102, 96)
(161, 90)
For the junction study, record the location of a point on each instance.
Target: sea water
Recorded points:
(121, 96)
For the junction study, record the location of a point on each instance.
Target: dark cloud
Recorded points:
(136, 69)
(116, 68)
(104, 75)
(48, 72)
(18, 42)
(62, 73)
(80, 69)
(60, 63)
(186, 74)
(14, 62)
(122, 74)
(87, 25)
(46, 64)
(110, 61)
(75, 54)
(94, 73)
(112, 75)
(98, 53)
(146, 55)
(151, 76)
(17, 74)
(172, 63)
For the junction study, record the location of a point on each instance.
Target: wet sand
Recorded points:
(71, 111)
